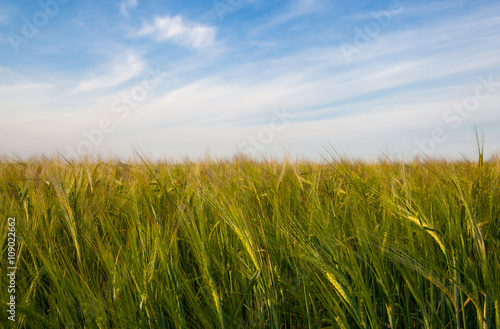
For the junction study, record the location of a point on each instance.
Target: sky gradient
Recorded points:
(187, 78)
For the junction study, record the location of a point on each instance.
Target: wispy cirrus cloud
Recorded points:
(294, 10)
(179, 31)
(6, 12)
(126, 5)
(120, 73)
(284, 54)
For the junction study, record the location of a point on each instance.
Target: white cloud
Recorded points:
(177, 30)
(120, 73)
(6, 12)
(126, 5)
(396, 90)
(24, 99)
(297, 8)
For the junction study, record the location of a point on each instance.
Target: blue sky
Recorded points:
(187, 78)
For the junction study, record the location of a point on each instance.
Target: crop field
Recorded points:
(241, 243)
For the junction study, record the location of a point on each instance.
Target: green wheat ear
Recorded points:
(480, 140)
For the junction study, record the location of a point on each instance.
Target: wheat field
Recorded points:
(241, 243)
